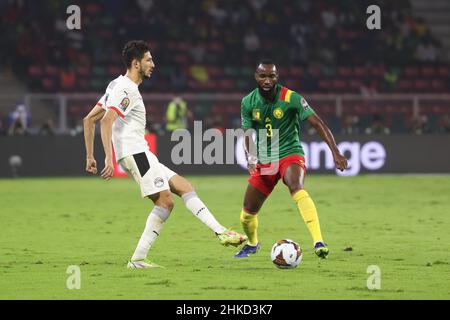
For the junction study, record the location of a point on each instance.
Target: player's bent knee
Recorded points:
(164, 200)
(294, 188)
(167, 203)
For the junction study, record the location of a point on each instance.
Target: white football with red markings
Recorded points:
(286, 254)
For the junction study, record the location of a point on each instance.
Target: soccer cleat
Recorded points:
(229, 237)
(142, 264)
(246, 250)
(321, 250)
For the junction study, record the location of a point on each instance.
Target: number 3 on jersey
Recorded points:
(269, 130)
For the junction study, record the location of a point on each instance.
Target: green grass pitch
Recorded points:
(398, 223)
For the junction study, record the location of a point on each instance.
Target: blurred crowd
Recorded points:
(321, 46)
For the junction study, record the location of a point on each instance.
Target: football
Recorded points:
(286, 254)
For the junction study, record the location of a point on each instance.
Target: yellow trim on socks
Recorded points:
(309, 213)
(249, 223)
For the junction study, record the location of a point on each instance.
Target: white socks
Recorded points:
(152, 229)
(198, 209)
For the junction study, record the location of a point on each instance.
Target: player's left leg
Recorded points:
(184, 189)
(294, 177)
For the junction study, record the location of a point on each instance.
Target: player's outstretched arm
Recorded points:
(323, 130)
(89, 133)
(106, 130)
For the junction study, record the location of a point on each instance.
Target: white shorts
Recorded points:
(151, 175)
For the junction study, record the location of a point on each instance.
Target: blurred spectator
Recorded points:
(47, 128)
(350, 125)
(177, 114)
(419, 124)
(251, 41)
(19, 120)
(377, 126)
(3, 130)
(16, 128)
(329, 19)
(427, 52)
(444, 124)
(197, 52)
(188, 33)
(145, 6)
(78, 130)
(178, 79)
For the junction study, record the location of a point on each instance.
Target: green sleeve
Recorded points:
(304, 109)
(246, 116)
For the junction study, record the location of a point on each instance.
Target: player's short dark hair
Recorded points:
(265, 61)
(134, 49)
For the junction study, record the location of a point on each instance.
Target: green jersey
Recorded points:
(283, 113)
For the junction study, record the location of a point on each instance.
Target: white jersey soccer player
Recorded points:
(128, 136)
(123, 116)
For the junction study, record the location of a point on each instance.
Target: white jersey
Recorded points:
(128, 131)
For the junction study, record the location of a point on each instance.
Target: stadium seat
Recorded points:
(405, 85)
(345, 71)
(411, 72)
(296, 71)
(360, 71)
(428, 72)
(51, 71)
(444, 71)
(35, 71)
(422, 85)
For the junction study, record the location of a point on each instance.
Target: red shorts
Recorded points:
(266, 176)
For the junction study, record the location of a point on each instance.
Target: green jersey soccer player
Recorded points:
(278, 110)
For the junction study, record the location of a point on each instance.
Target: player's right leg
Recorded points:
(146, 171)
(253, 201)
(293, 177)
(184, 189)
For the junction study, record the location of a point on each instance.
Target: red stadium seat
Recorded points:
(405, 85)
(215, 71)
(325, 84)
(360, 71)
(340, 85)
(48, 84)
(35, 71)
(411, 72)
(51, 70)
(439, 85)
(444, 71)
(345, 71)
(83, 72)
(378, 71)
(428, 72)
(422, 85)
(296, 71)
(356, 84)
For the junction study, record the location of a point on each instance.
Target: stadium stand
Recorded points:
(212, 46)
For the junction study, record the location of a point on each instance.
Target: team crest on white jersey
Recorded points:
(124, 104)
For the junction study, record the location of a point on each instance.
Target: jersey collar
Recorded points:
(277, 94)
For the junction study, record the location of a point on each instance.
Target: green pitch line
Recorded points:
(398, 223)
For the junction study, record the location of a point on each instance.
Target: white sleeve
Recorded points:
(121, 100)
(101, 102)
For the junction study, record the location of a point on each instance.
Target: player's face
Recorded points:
(266, 76)
(147, 65)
